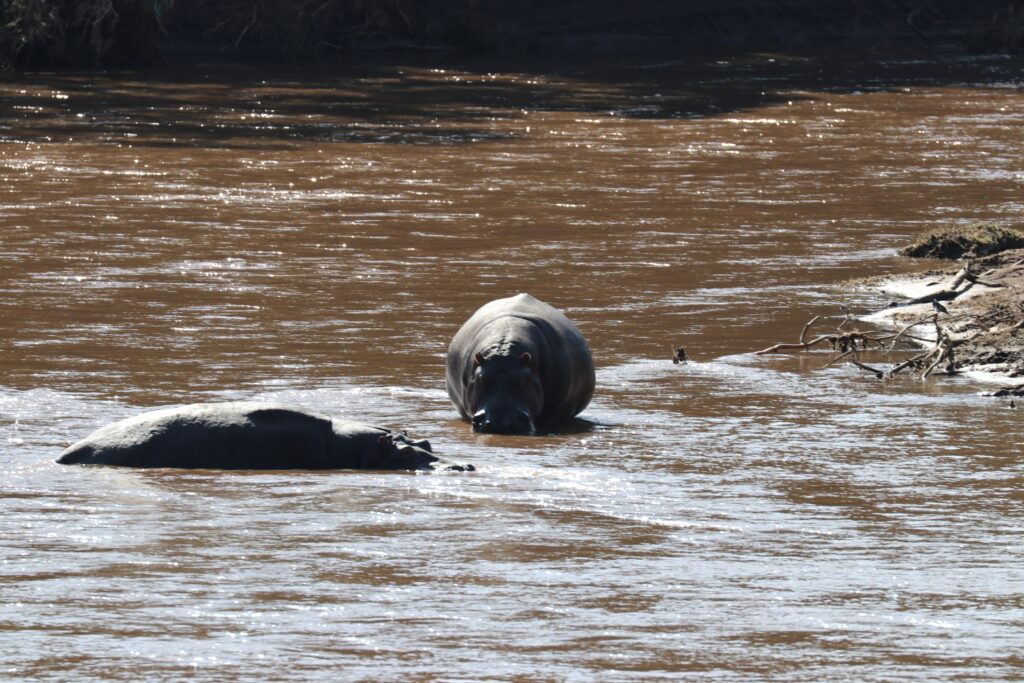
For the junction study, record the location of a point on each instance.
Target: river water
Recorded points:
(317, 236)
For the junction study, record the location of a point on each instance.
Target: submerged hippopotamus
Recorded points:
(518, 363)
(251, 435)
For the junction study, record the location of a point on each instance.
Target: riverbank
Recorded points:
(94, 33)
(971, 311)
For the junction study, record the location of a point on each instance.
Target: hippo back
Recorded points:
(524, 324)
(238, 435)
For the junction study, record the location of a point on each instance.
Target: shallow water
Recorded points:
(317, 236)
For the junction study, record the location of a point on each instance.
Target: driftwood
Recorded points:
(952, 290)
(939, 356)
(844, 342)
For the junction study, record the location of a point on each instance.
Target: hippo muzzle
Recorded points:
(503, 422)
(399, 452)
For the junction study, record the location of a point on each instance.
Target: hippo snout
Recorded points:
(511, 422)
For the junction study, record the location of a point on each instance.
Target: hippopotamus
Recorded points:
(518, 363)
(251, 435)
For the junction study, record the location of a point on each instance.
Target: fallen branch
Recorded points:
(799, 345)
(916, 361)
(840, 357)
(840, 341)
(952, 291)
(907, 328)
(878, 373)
(941, 352)
(947, 294)
(849, 345)
(803, 332)
(903, 332)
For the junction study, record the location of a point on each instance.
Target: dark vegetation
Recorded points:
(969, 241)
(86, 33)
(1001, 31)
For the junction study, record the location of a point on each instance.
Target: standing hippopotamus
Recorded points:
(517, 363)
(250, 435)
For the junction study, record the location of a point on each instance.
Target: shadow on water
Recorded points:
(409, 100)
(578, 425)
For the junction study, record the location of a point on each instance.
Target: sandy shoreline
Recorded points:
(979, 317)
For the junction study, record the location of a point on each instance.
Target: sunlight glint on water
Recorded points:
(316, 237)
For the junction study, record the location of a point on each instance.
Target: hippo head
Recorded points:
(398, 452)
(504, 393)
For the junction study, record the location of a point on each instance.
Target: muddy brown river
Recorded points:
(317, 235)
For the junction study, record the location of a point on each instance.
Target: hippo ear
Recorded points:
(527, 357)
(478, 359)
(384, 442)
